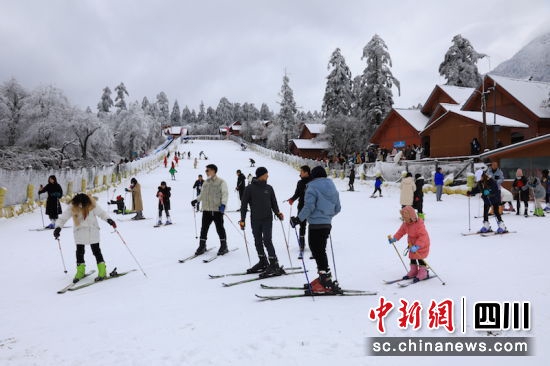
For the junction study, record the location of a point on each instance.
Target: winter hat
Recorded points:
(479, 174)
(404, 173)
(318, 172)
(260, 171)
(408, 214)
(519, 173)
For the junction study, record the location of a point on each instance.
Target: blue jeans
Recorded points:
(438, 192)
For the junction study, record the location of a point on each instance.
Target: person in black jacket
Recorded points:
(53, 207)
(351, 178)
(241, 184)
(163, 195)
(299, 193)
(418, 201)
(198, 187)
(488, 188)
(263, 204)
(521, 191)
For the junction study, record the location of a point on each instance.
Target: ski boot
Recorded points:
(168, 221)
(324, 284)
(526, 213)
(486, 228)
(501, 228)
(159, 222)
(101, 272)
(412, 272)
(422, 274)
(223, 247)
(259, 267)
(422, 215)
(202, 247)
(51, 225)
(539, 212)
(80, 272)
(273, 269)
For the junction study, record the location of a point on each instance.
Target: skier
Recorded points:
(263, 204)
(539, 193)
(249, 178)
(378, 185)
(491, 198)
(351, 178)
(214, 198)
(419, 195)
(201, 154)
(321, 204)
(407, 190)
(241, 184)
(419, 243)
(119, 202)
(521, 191)
(176, 159)
(189, 155)
(165, 162)
(53, 207)
(252, 162)
(195, 163)
(546, 184)
(173, 171)
(439, 178)
(84, 212)
(299, 194)
(198, 187)
(163, 194)
(137, 203)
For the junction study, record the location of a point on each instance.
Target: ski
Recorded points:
(73, 284)
(129, 220)
(192, 256)
(393, 281)
(494, 233)
(111, 276)
(208, 260)
(258, 279)
(244, 273)
(303, 288)
(315, 294)
(46, 229)
(405, 284)
(162, 225)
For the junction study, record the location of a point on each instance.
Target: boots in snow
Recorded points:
(501, 228)
(324, 284)
(168, 221)
(159, 222)
(80, 272)
(422, 215)
(259, 267)
(202, 247)
(486, 228)
(273, 269)
(223, 247)
(539, 212)
(101, 271)
(412, 272)
(525, 213)
(422, 274)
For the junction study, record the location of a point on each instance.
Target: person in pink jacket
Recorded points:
(419, 243)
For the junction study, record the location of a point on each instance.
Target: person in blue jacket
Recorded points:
(488, 188)
(322, 203)
(377, 185)
(438, 181)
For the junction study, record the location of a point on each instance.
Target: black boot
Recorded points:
(202, 247)
(223, 247)
(260, 266)
(325, 279)
(273, 269)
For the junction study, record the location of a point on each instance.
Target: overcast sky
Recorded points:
(206, 49)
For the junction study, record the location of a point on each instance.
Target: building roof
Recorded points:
(531, 94)
(458, 93)
(311, 144)
(315, 128)
(522, 144)
(176, 130)
(414, 117)
(235, 127)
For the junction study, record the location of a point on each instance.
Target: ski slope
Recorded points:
(178, 316)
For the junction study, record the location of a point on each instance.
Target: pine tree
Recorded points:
(120, 102)
(186, 116)
(376, 97)
(338, 97)
(193, 119)
(145, 104)
(224, 112)
(265, 113)
(287, 113)
(163, 109)
(201, 116)
(105, 104)
(12, 102)
(175, 117)
(459, 65)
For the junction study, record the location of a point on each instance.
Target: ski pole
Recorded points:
(304, 267)
(286, 242)
(244, 235)
(333, 260)
(61, 253)
(289, 216)
(469, 214)
(430, 267)
(195, 219)
(132, 254)
(397, 252)
(41, 213)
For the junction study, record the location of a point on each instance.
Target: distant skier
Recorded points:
(521, 191)
(378, 185)
(418, 202)
(137, 203)
(252, 162)
(539, 193)
(439, 179)
(119, 202)
(173, 172)
(189, 155)
(249, 178)
(407, 190)
(53, 206)
(84, 212)
(299, 194)
(195, 163)
(165, 162)
(419, 243)
(491, 198)
(198, 187)
(241, 184)
(176, 159)
(201, 154)
(163, 195)
(351, 178)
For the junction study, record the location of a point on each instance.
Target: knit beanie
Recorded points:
(318, 172)
(260, 171)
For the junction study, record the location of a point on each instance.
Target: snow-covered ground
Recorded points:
(178, 316)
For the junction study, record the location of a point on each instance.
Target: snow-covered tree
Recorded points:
(163, 109)
(105, 104)
(132, 132)
(276, 138)
(344, 134)
(120, 103)
(145, 104)
(287, 113)
(186, 116)
(237, 112)
(376, 97)
(224, 112)
(193, 118)
(12, 101)
(83, 126)
(265, 113)
(201, 116)
(175, 117)
(459, 65)
(250, 112)
(338, 97)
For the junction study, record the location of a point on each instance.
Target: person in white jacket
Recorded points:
(84, 212)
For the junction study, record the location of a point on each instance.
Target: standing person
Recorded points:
(322, 203)
(198, 187)
(351, 178)
(53, 207)
(241, 184)
(545, 181)
(195, 163)
(439, 179)
(165, 162)
(418, 203)
(84, 212)
(163, 194)
(488, 188)
(252, 162)
(263, 204)
(137, 203)
(189, 155)
(377, 185)
(539, 193)
(299, 195)
(214, 198)
(521, 191)
(419, 243)
(173, 171)
(176, 159)
(407, 190)
(249, 178)
(475, 147)
(497, 174)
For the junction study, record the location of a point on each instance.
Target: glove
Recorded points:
(242, 224)
(294, 221)
(392, 240)
(414, 248)
(290, 202)
(194, 203)
(280, 216)
(112, 223)
(486, 192)
(222, 208)
(57, 232)
(127, 190)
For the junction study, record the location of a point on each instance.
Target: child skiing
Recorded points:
(121, 208)
(419, 243)
(53, 207)
(163, 195)
(173, 172)
(165, 162)
(84, 212)
(491, 198)
(377, 185)
(521, 191)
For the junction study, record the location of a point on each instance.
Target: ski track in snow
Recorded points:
(179, 316)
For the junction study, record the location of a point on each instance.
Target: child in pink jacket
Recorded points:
(419, 243)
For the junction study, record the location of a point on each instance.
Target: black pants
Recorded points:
(419, 262)
(241, 191)
(496, 211)
(81, 249)
(418, 204)
(377, 190)
(525, 202)
(165, 210)
(318, 245)
(217, 218)
(262, 231)
(350, 184)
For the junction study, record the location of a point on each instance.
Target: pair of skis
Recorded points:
(207, 260)
(307, 293)
(406, 282)
(77, 286)
(488, 233)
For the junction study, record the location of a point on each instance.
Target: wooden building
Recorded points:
(309, 148)
(400, 128)
(235, 128)
(312, 130)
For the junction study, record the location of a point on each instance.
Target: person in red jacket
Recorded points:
(419, 243)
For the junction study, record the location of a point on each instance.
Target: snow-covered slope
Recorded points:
(532, 61)
(178, 316)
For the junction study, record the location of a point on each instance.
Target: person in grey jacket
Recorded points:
(322, 203)
(495, 173)
(213, 198)
(263, 204)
